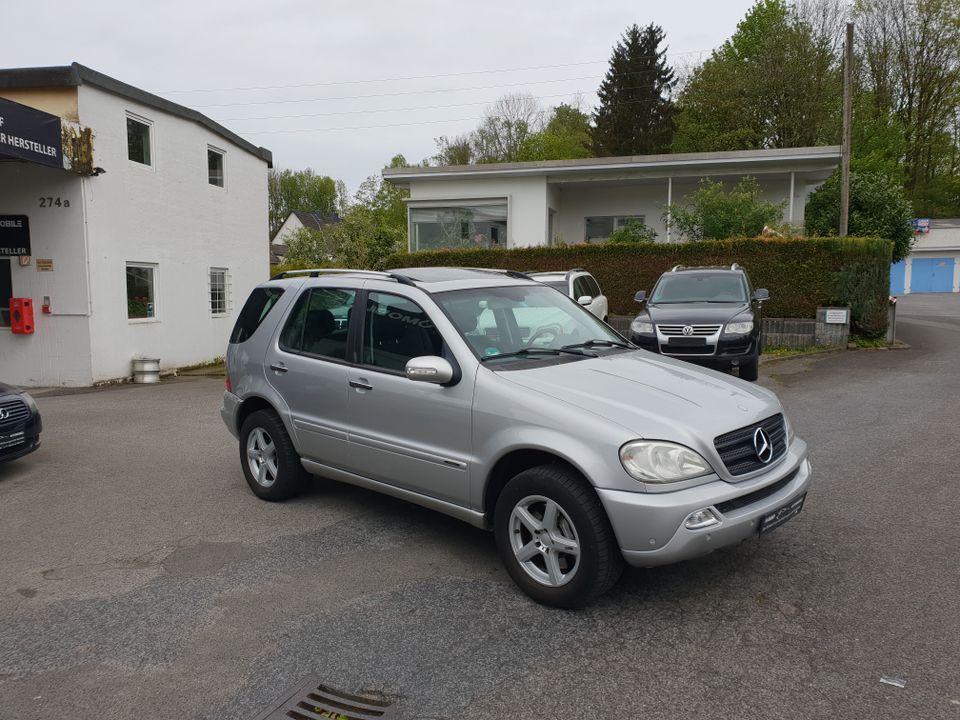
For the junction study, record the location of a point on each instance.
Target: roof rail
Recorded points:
(736, 266)
(317, 272)
(677, 267)
(571, 271)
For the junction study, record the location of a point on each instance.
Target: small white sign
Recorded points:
(837, 317)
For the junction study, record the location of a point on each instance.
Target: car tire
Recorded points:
(577, 520)
(270, 463)
(750, 370)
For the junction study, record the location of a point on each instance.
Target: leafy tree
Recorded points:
(301, 190)
(453, 150)
(633, 232)
(878, 208)
(635, 115)
(775, 83)
(712, 213)
(565, 137)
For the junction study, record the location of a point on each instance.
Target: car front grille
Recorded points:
(738, 453)
(698, 330)
(13, 413)
(688, 350)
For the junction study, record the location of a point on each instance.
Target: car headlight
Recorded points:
(641, 327)
(31, 405)
(790, 434)
(658, 461)
(741, 327)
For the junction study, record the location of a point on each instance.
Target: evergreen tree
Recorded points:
(635, 116)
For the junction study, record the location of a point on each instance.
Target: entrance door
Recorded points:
(931, 275)
(6, 292)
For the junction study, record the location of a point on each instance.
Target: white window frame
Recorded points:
(150, 144)
(447, 203)
(618, 222)
(223, 167)
(227, 294)
(154, 267)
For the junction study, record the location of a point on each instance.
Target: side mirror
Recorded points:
(429, 368)
(641, 296)
(761, 295)
(584, 299)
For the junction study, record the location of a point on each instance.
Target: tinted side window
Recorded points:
(580, 287)
(319, 323)
(257, 307)
(397, 329)
(594, 287)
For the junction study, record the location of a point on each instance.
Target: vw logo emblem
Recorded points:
(762, 446)
(4, 414)
(688, 330)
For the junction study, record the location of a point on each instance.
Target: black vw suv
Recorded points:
(20, 424)
(707, 315)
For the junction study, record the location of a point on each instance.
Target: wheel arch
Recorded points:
(249, 406)
(515, 462)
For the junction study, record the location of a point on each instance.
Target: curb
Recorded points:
(767, 360)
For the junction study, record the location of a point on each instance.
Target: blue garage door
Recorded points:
(898, 272)
(930, 275)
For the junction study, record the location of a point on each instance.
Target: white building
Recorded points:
(145, 234)
(572, 201)
(933, 264)
(295, 221)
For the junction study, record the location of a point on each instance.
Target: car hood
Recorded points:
(8, 389)
(653, 396)
(695, 313)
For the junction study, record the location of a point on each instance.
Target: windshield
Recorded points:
(560, 285)
(535, 321)
(725, 288)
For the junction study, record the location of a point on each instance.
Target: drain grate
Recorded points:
(315, 701)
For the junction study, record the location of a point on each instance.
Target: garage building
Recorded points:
(933, 265)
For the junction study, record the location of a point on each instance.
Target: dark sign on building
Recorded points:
(29, 134)
(14, 235)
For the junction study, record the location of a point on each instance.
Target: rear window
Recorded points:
(257, 307)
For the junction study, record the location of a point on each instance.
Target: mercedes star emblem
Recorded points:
(762, 446)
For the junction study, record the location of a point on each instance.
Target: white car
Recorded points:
(580, 285)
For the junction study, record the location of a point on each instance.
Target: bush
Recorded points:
(635, 231)
(712, 213)
(878, 208)
(800, 274)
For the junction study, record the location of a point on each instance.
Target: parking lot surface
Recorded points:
(140, 578)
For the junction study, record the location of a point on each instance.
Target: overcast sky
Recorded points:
(365, 80)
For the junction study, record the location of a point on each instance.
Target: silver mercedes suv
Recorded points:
(497, 400)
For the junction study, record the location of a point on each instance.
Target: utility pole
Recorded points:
(845, 141)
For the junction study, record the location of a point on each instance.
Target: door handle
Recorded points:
(359, 385)
(278, 367)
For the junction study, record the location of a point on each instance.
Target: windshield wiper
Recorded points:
(598, 343)
(538, 351)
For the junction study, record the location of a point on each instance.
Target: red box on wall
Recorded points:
(21, 316)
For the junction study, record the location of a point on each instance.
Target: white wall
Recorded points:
(290, 226)
(526, 201)
(58, 352)
(170, 215)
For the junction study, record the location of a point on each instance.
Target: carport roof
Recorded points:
(76, 74)
(734, 162)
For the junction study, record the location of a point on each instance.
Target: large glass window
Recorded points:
(141, 291)
(600, 227)
(396, 330)
(319, 323)
(138, 140)
(458, 226)
(499, 321)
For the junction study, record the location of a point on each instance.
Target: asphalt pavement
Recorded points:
(140, 578)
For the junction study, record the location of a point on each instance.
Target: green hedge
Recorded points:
(801, 274)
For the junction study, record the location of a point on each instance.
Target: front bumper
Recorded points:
(30, 442)
(726, 351)
(649, 526)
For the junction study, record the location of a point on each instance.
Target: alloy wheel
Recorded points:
(544, 540)
(262, 457)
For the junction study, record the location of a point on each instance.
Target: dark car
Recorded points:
(20, 424)
(706, 315)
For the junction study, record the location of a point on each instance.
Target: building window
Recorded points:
(138, 140)
(215, 166)
(141, 291)
(600, 227)
(219, 291)
(458, 226)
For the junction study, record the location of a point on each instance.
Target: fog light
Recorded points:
(701, 519)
